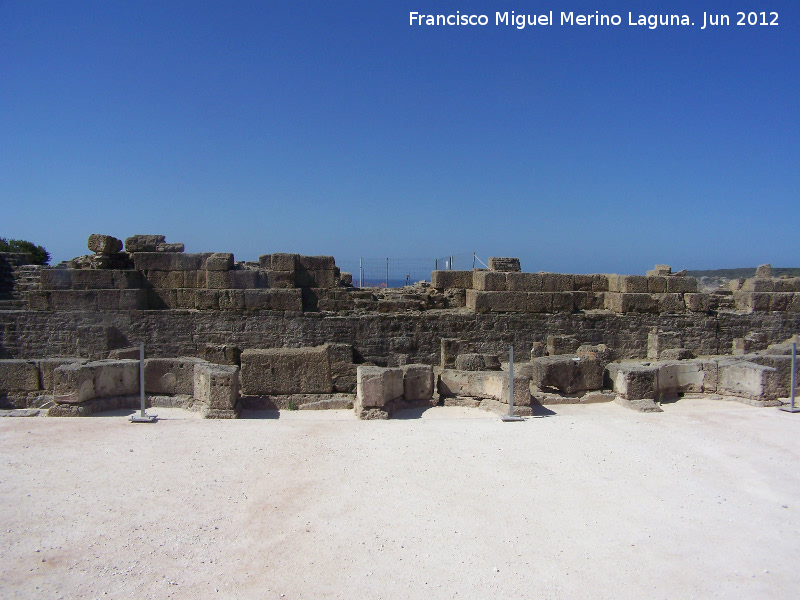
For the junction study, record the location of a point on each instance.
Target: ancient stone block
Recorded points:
(757, 285)
(18, 375)
(170, 376)
(222, 354)
(482, 302)
(319, 278)
(660, 270)
(316, 263)
(633, 381)
(144, 243)
(670, 303)
(486, 384)
(56, 279)
(524, 282)
(601, 352)
(489, 281)
(165, 279)
(657, 285)
(231, 299)
(537, 349)
(567, 373)
(680, 285)
(269, 299)
(562, 344)
(286, 371)
(245, 279)
(564, 302)
(764, 271)
(216, 386)
(417, 383)
(583, 283)
(346, 279)
(600, 283)
(377, 386)
(127, 279)
(556, 282)
(104, 244)
(114, 377)
(748, 380)
(73, 300)
(451, 279)
(780, 301)
(658, 341)
(169, 261)
(697, 302)
(470, 362)
(280, 279)
(176, 247)
(186, 298)
(627, 284)
(786, 284)
(751, 301)
(794, 305)
(279, 261)
(504, 264)
(220, 261)
(46, 366)
(539, 302)
(162, 299)
(630, 302)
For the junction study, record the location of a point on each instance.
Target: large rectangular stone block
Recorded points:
(144, 243)
(73, 300)
(567, 373)
(115, 377)
(483, 302)
(316, 278)
(524, 282)
(279, 261)
(697, 302)
(556, 282)
(269, 299)
(377, 386)
(18, 375)
(484, 384)
(670, 303)
(451, 280)
(46, 366)
(539, 302)
(220, 261)
(165, 279)
(633, 381)
(417, 383)
(681, 285)
(685, 376)
(487, 281)
(583, 283)
(73, 384)
(170, 376)
(780, 301)
(748, 380)
(630, 302)
(126, 279)
(657, 285)
(216, 386)
(231, 299)
(207, 300)
(56, 279)
(316, 263)
(788, 284)
(509, 264)
(627, 284)
(169, 261)
(751, 301)
(758, 285)
(92, 279)
(286, 371)
(563, 302)
(280, 279)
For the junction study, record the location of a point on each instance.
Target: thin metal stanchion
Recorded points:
(143, 417)
(511, 416)
(791, 408)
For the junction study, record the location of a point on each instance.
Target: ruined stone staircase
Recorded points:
(16, 282)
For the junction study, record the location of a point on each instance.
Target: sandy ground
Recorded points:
(701, 501)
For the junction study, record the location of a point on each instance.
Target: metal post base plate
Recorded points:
(511, 418)
(790, 409)
(144, 419)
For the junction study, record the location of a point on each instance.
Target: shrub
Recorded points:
(39, 256)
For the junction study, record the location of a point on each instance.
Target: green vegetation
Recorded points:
(39, 256)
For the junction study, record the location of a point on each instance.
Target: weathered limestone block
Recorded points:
(104, 244)
(486, 384)
(794, 306)
(752, 342)
(681, 285)
(217, 387)
(567, 373)
(750, 302)
(697, 302)
(56, 278)
(764, 271)
(630, 302)
(658, 341)
(633, 381)
(677, 354)
(279, 279)
(562, 344)
(451, 279)
(222, 354)
(538, 349)
(46, 366)
(686, 376)
(346, 279)
(207, 300)
(539, 302)
(162, 299)
(417, 383)
(524, 282)
(748, 380)
(504, 264)
(788, 284)
(220, 261)
(565, 302)
(670, 303)
(273, 299)
(144, 243)
(17, 375)
(176, 247)
(780, 381)
(601, 352)
(780, 301)
(169, 261)
(171, 376)
(758, 285)
(164, 279)
(582, 283)
(231, 299)
(450, 349)
(73, 300)
(656, 285)
(286, 371)
(114, 377)
(377, 386)
(660, 270)
(470, 362)
(126, 279)
(556, 282)
(122, 299)
(316, 278)
(487, 281)
(316, 263)
(483, 302)
(627, 284)
(279, 261)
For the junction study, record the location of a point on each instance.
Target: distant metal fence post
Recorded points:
(360, 272)
(387, 273)
(435, 264)
(791, 408)
(473, 260)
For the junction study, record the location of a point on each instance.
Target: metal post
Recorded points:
(473, 260)
(511, 416)
(791, 408)
(387, 273)
(143, 417)
(451, 262)
(360, 273)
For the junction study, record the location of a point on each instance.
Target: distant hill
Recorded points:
(742, 273)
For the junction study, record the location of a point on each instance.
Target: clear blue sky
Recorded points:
(337, 128)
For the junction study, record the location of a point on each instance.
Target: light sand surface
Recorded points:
(701, 501)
